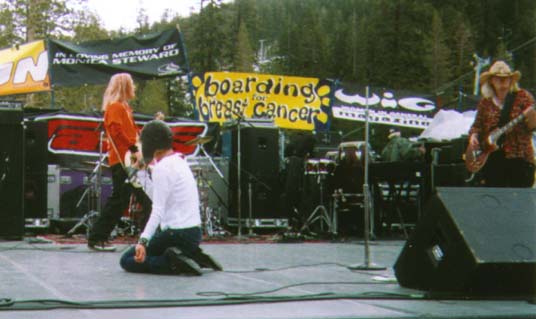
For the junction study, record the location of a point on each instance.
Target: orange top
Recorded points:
(120, 127)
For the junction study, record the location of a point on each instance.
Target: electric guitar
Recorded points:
(130, 160)
(476, 156)
(131, 166)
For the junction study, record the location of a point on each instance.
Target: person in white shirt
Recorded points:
(169, 243)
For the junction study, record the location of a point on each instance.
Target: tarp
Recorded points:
(24, 69)
(150, 56)
(391, 107)
(290, 102)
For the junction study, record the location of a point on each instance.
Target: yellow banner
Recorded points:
(24, 69)
(291, 102)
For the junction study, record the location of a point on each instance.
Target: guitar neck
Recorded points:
(498, 133)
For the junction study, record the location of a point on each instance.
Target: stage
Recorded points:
(261, 279)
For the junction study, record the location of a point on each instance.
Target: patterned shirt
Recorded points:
(518, 141)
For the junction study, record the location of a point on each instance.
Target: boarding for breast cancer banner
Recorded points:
(290, 102)
(390, 107)
(24, 69)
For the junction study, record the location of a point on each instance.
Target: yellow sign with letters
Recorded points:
(24, 69)
(290, 102)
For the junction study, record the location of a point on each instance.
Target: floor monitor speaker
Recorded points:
(473, 241)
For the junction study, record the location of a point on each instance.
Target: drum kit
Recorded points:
(320, 170)
(136, 216)
(201, 167)
(319, 167)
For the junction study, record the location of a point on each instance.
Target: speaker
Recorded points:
(11, 173)
(259, 172)
(450, 175)
(35, 178)
(473, 241)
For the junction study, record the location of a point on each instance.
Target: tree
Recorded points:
(437, 57)
(38, 19)
(244, 55)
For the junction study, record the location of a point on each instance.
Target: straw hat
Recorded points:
(499, 68)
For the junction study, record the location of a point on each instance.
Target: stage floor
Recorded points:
(261, 280)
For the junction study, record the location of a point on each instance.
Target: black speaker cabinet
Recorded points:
(259, 173)
(473, 241)
(35, 177)
(11, 173)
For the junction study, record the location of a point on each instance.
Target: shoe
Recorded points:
(206, 261)
(180, 264)
(100, 246)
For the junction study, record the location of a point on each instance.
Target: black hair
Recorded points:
(156, 135)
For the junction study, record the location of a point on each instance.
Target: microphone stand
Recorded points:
(93, 192)
(367, 265)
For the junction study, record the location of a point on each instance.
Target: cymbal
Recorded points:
(199, 140)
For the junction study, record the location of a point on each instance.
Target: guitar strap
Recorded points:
(110, 139)
(505, 115)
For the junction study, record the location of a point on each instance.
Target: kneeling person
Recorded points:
(174, 249)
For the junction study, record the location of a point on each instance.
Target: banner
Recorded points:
(150, 56)
(391, 107)
(76, 134)
(290, 102)
(24, 69)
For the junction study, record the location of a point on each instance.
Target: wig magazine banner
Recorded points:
(390, 107)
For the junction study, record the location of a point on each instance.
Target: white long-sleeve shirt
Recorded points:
(175, 197)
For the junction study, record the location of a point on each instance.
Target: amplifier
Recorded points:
(68, 195)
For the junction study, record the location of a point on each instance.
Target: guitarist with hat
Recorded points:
(500, 139)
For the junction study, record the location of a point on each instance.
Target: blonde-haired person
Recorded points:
(512, 165)
(122, 135)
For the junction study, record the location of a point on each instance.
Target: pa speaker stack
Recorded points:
(259, 170)
(11, 173)
(473, 241)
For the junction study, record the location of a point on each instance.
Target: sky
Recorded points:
(122, 13)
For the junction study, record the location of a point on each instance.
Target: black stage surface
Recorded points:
(261, 280)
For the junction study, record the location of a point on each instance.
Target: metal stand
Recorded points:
(367, 265)
(239, 169)
(212, 224)
(93, 192)
(250, 213)
(212, 162)
(320, 212)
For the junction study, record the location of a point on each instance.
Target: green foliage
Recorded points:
(244, 56)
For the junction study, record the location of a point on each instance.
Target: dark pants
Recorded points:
(115, 206)
(187, 240)
(500, 171)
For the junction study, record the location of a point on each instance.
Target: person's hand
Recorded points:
(140, 253)
(137, 160)
(530, 118)
(473, 140)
